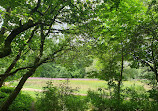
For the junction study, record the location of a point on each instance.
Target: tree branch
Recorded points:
(146, 63)
(12, 73)
(17, 57)
(36, 8)
(7, 47)
(42, 41)
(59, 30)
(58, 22)
(52, 56)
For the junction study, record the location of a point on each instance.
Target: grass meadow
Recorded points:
(35, 85)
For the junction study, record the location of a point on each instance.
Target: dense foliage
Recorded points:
(101, 101)
(106, 39)
(62, 97)
(59, 99)
(23, 101)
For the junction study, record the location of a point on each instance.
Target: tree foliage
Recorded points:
(72, 33)
(36, 32)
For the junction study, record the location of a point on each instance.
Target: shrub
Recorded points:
(21, 103)
(133, 101)
(47, 99)
(2, 97)
(59, 98)
(101, 101)
(154, 94)
(7, 89)
(75, 103)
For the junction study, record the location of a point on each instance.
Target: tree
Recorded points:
(32, 34)
(144, 40)
(52, 70)
(113, 36)
(76, 60)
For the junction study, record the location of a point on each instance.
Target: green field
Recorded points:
(33, 86)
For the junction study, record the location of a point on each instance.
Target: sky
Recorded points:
(1, 21)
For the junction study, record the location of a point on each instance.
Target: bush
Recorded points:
(100, 101)
(2, 97)
(75, 103)
(154, 94)
(7, 89)
(59, 98)
(132, 101)
(21, 103)
(4, 93)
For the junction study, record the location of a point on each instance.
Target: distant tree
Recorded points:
(76, 60)
(52, 70)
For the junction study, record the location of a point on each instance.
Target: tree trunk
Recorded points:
(14, 94)
(10, 68)
(120, 78)
(154, 69)
(2, 81)
(156, 76)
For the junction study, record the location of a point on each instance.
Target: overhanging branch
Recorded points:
(7, 47)
(14, 72)
(19, 53)
(146, 63)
